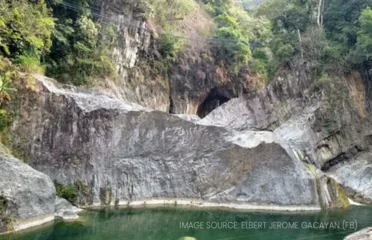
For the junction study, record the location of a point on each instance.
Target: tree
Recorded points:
(364, 36)
(25, 28)
(167, 10)
(80, 46)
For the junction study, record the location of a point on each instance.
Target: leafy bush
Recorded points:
(7, 74)
(236, 32)
(25, 28)
(30, 64)
(285, 52)
(68, 192)
(233, 43)
(80, 48)
(170, 46)
(329, 39)
(234, 49)
(168, 10)
(5, 119)
(364, 37)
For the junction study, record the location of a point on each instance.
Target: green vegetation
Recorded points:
(68, 192)
(7, 74)
(363, 51)
(166, 14)
(169, 46)
(49, 37)
(165, 11)
(3, 204)
(25, 28)
(85, 193)
(330, 36)
(64, 42)
(80, 46)
(6, 223)
(237, 34)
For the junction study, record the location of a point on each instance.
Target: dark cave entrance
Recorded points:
(215, 98)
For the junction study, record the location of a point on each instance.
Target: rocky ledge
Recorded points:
(65, 210)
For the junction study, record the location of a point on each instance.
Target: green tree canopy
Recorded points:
(25, 28)
(364, 36)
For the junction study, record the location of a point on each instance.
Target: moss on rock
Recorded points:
(6, 223)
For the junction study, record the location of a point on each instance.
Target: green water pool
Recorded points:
(176, 223)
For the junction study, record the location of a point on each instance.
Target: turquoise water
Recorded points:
(175, 223)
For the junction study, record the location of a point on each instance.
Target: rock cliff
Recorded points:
(119, 153)
(26, 195)
(285, 147)
(194, 83)
(330, 130)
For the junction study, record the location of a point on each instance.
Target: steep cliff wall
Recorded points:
(194, 83)
(330, 129)
(117, 153)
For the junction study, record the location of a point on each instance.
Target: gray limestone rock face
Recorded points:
(192, 84)
(118, 153)
(65, 210)
(364, 234)
(356, 177)
(331, 131)
(26, 195)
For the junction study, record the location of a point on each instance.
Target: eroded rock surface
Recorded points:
(356, 177)
(194, 83)
(117, 153)
(26, 195)
(65, 210)
(330, 131)
(364, 234)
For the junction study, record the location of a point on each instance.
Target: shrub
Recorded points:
(7, 74)
(25, 27)
(234, 49)
(260, 67)
(285, 52)
(167, 10)
(170, 46)
(68, 192)
(30, 64)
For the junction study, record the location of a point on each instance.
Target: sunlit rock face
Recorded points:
(118, 152)
(330, 131)
(65, 210)
(26, 195)
(356, 177)
(133, 51)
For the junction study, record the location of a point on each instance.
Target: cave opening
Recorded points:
(215, 98)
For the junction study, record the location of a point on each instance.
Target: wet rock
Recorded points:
(364, 234)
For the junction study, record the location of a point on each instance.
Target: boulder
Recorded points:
(65, 210)
(364, 234)
(26, 195)
(356, 177)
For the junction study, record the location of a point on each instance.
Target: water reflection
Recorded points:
(178, 223)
